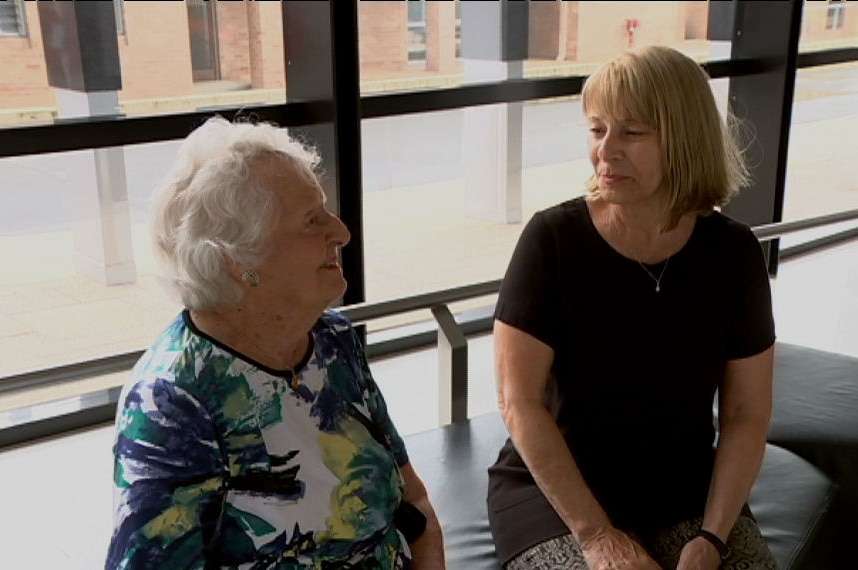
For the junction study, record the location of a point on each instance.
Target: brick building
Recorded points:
(187, 55)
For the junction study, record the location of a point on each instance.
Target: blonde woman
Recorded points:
(620, 315)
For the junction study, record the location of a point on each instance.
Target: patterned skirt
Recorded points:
(749, 549)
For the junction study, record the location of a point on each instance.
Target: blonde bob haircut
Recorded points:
(702, 163)
(212, 210)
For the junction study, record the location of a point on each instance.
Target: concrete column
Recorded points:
(492, 136)
(82, 59)
(101, 224)
(494, 45)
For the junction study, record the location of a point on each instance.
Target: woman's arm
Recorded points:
(522, 366)
(745, 408)
(168, 480)
(428, 549)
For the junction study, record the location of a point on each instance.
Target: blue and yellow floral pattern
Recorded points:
(222, 463)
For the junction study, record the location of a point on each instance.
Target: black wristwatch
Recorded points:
(720, 545)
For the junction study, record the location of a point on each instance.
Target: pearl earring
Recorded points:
(251, 277)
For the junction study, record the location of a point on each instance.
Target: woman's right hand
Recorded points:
(612, 549)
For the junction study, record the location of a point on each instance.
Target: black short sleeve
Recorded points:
(530, 287)
(752, 328)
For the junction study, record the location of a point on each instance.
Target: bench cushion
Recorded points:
(791, 498)
(793, 503)
(453, 462)
(815, 411)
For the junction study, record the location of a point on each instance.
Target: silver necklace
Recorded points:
(653, 277)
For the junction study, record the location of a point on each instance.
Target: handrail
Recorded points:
(776, 230)
(99, 407)
(363, 312)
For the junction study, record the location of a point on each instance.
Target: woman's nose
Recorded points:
(340, 232)
(610, 148)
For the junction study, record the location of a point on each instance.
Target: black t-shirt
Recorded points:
(635, 371)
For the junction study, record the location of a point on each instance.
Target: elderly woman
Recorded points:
(252, 434)
(620, 315)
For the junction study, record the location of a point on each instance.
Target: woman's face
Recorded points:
(300, 260)
(626, 159)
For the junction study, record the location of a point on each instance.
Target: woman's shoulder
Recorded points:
(559, 222)
(721, 226)
(335, 337)
(174, 363)
(563, 212)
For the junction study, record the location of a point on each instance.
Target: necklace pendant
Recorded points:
(657, 288)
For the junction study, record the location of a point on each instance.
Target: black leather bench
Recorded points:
(805, 511)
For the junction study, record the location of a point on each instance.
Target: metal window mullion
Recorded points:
(767, 31)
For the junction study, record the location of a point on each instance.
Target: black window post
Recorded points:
(768, 31)
(321, 40)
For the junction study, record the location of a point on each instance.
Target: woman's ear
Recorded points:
(235, 269)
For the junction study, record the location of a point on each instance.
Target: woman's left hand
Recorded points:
(698, 554)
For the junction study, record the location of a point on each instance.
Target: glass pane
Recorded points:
(822, 174)
(173, 57)
(416, 11)
(565, 38)
(68, 234)
(443, 202)
(10, 19)
(828, 25)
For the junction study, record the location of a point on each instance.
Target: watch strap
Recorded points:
(714, 540)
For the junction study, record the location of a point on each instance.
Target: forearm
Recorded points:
(741, 445)
(543, 449)
(428, 550)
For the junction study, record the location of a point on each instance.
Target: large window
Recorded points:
(13, 20)
(822, 175)
(445, 193)
(416, 30)
(835, 15)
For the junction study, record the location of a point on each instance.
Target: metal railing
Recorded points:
(450, 339)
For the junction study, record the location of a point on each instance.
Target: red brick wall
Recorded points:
(267, 62)
(233, 41)
(383, 29)
(544, 30)
(696, 20)
(154, 54)
(572, 14)
(816, 19)
(24, 77)
(155, 51)
(441, 36)
(601, 29)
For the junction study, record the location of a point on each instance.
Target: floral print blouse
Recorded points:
(221, 462)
